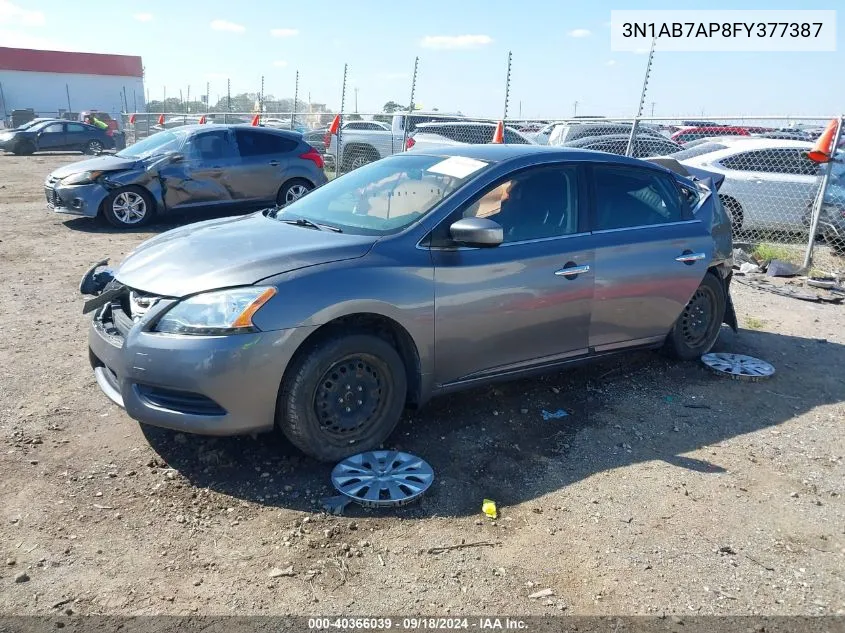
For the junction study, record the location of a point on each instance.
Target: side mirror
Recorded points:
(477, 232)
(177, 158)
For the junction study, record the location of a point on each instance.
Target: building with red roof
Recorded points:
(54, 82)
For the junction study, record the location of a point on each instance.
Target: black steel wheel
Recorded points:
(697, 328)
(342, 396)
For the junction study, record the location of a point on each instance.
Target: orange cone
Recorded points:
(161, 119)
(202, 120)
(499, 134)
(824, 145)
(132, 118)
(256, 120)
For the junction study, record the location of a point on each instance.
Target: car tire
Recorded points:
(357, 156)
(342, 396)
(697, 328)
(292, 190)
(122, 206)
(93, 147)
(24, 148)
(734, 211)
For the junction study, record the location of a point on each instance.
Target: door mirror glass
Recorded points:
(477, 232)
(176, 157)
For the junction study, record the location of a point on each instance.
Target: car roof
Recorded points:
(754, 142)
(500, 153)
(196, 127)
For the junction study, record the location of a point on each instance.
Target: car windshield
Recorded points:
(698, 150)
(159, 143)
(386, 196)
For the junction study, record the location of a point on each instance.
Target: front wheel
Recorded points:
(128, 207)
(343, 396)
(697, 328)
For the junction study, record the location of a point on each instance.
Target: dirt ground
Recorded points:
(667, 489)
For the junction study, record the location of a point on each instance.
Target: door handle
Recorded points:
(690, 258)
(274, 163)
(572, 271)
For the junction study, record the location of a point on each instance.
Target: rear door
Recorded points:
(514, 306)
(202, 178)
(650, 255)
(52, 137)
(78, 135)
(263, 159)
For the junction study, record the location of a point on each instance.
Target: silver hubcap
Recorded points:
(738, 365)
(129, 207)
(382, 478)
(295, 193)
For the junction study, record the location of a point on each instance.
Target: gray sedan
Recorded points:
(228, 167)
(416, 275)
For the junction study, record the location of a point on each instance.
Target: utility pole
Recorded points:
(652, 108)
(575, 109)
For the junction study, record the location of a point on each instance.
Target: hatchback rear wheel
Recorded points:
(94, 147)
(697, 328)
(292, 191)
(342, 396)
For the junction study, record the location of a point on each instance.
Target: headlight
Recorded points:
(5, 136)
(218, 312)
(82, 178)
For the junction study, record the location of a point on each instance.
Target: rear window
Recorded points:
(254, 143)
(698, 150)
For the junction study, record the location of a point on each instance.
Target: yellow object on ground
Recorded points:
(488, 507)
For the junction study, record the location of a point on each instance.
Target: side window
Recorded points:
(791, 161)
(629, 197)
(208, 146)
(55, 128)
(75, 127)
(744, 161)
(534, 204)
(253, 143)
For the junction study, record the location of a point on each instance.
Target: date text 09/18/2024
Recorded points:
(416, 624)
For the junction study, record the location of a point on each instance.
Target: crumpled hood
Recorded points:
(231, 252)
(104, 163)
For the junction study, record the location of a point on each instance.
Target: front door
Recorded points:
(201, 178)
(514, 306)
(77, 136)
(650, 256)
(52, 138)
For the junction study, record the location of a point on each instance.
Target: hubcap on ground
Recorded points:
(738, 366)
(382, 478)
(698, 316)
(129, 207)
(349, 396)
(295, 193)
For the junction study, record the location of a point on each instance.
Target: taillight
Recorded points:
(327, 140)
(410, 143)
(314, 155)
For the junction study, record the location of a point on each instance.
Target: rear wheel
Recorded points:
(357, 156)
(93, 146)
(342, 396)
(292, 191)
(128, 207)
(697, 328)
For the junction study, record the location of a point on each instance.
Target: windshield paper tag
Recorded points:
(457, 166)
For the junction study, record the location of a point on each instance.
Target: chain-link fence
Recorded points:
(768, 184)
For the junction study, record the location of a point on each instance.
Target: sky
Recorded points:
(561, 55)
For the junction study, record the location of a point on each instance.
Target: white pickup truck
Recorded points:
(359, 147)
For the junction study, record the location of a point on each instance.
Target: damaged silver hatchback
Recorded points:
(416, 275)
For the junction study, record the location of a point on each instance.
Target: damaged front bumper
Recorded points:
(83, 200)
(209, 385)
